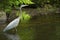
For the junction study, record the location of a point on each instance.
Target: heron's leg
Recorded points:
(15, 29)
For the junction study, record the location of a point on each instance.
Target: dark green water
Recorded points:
(46, 27)
(41, 28)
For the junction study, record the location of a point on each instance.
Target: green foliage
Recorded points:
(26, 1)
(25, 17)
(6, 5)
(51, 2)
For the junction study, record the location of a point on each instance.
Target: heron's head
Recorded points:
(23, 6)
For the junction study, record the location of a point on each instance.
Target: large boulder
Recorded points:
(2, 17)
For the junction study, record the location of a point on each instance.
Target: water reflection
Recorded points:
(2, 36)
(7, 36)
(12, 36)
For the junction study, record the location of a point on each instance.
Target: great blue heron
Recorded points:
(15, 22)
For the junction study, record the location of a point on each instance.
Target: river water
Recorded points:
(43, 27)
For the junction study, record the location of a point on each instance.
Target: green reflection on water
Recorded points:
(40, 28)
(45, 27)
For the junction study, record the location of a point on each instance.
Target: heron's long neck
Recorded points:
(20, 15)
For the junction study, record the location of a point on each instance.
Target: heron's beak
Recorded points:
(23, 5)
